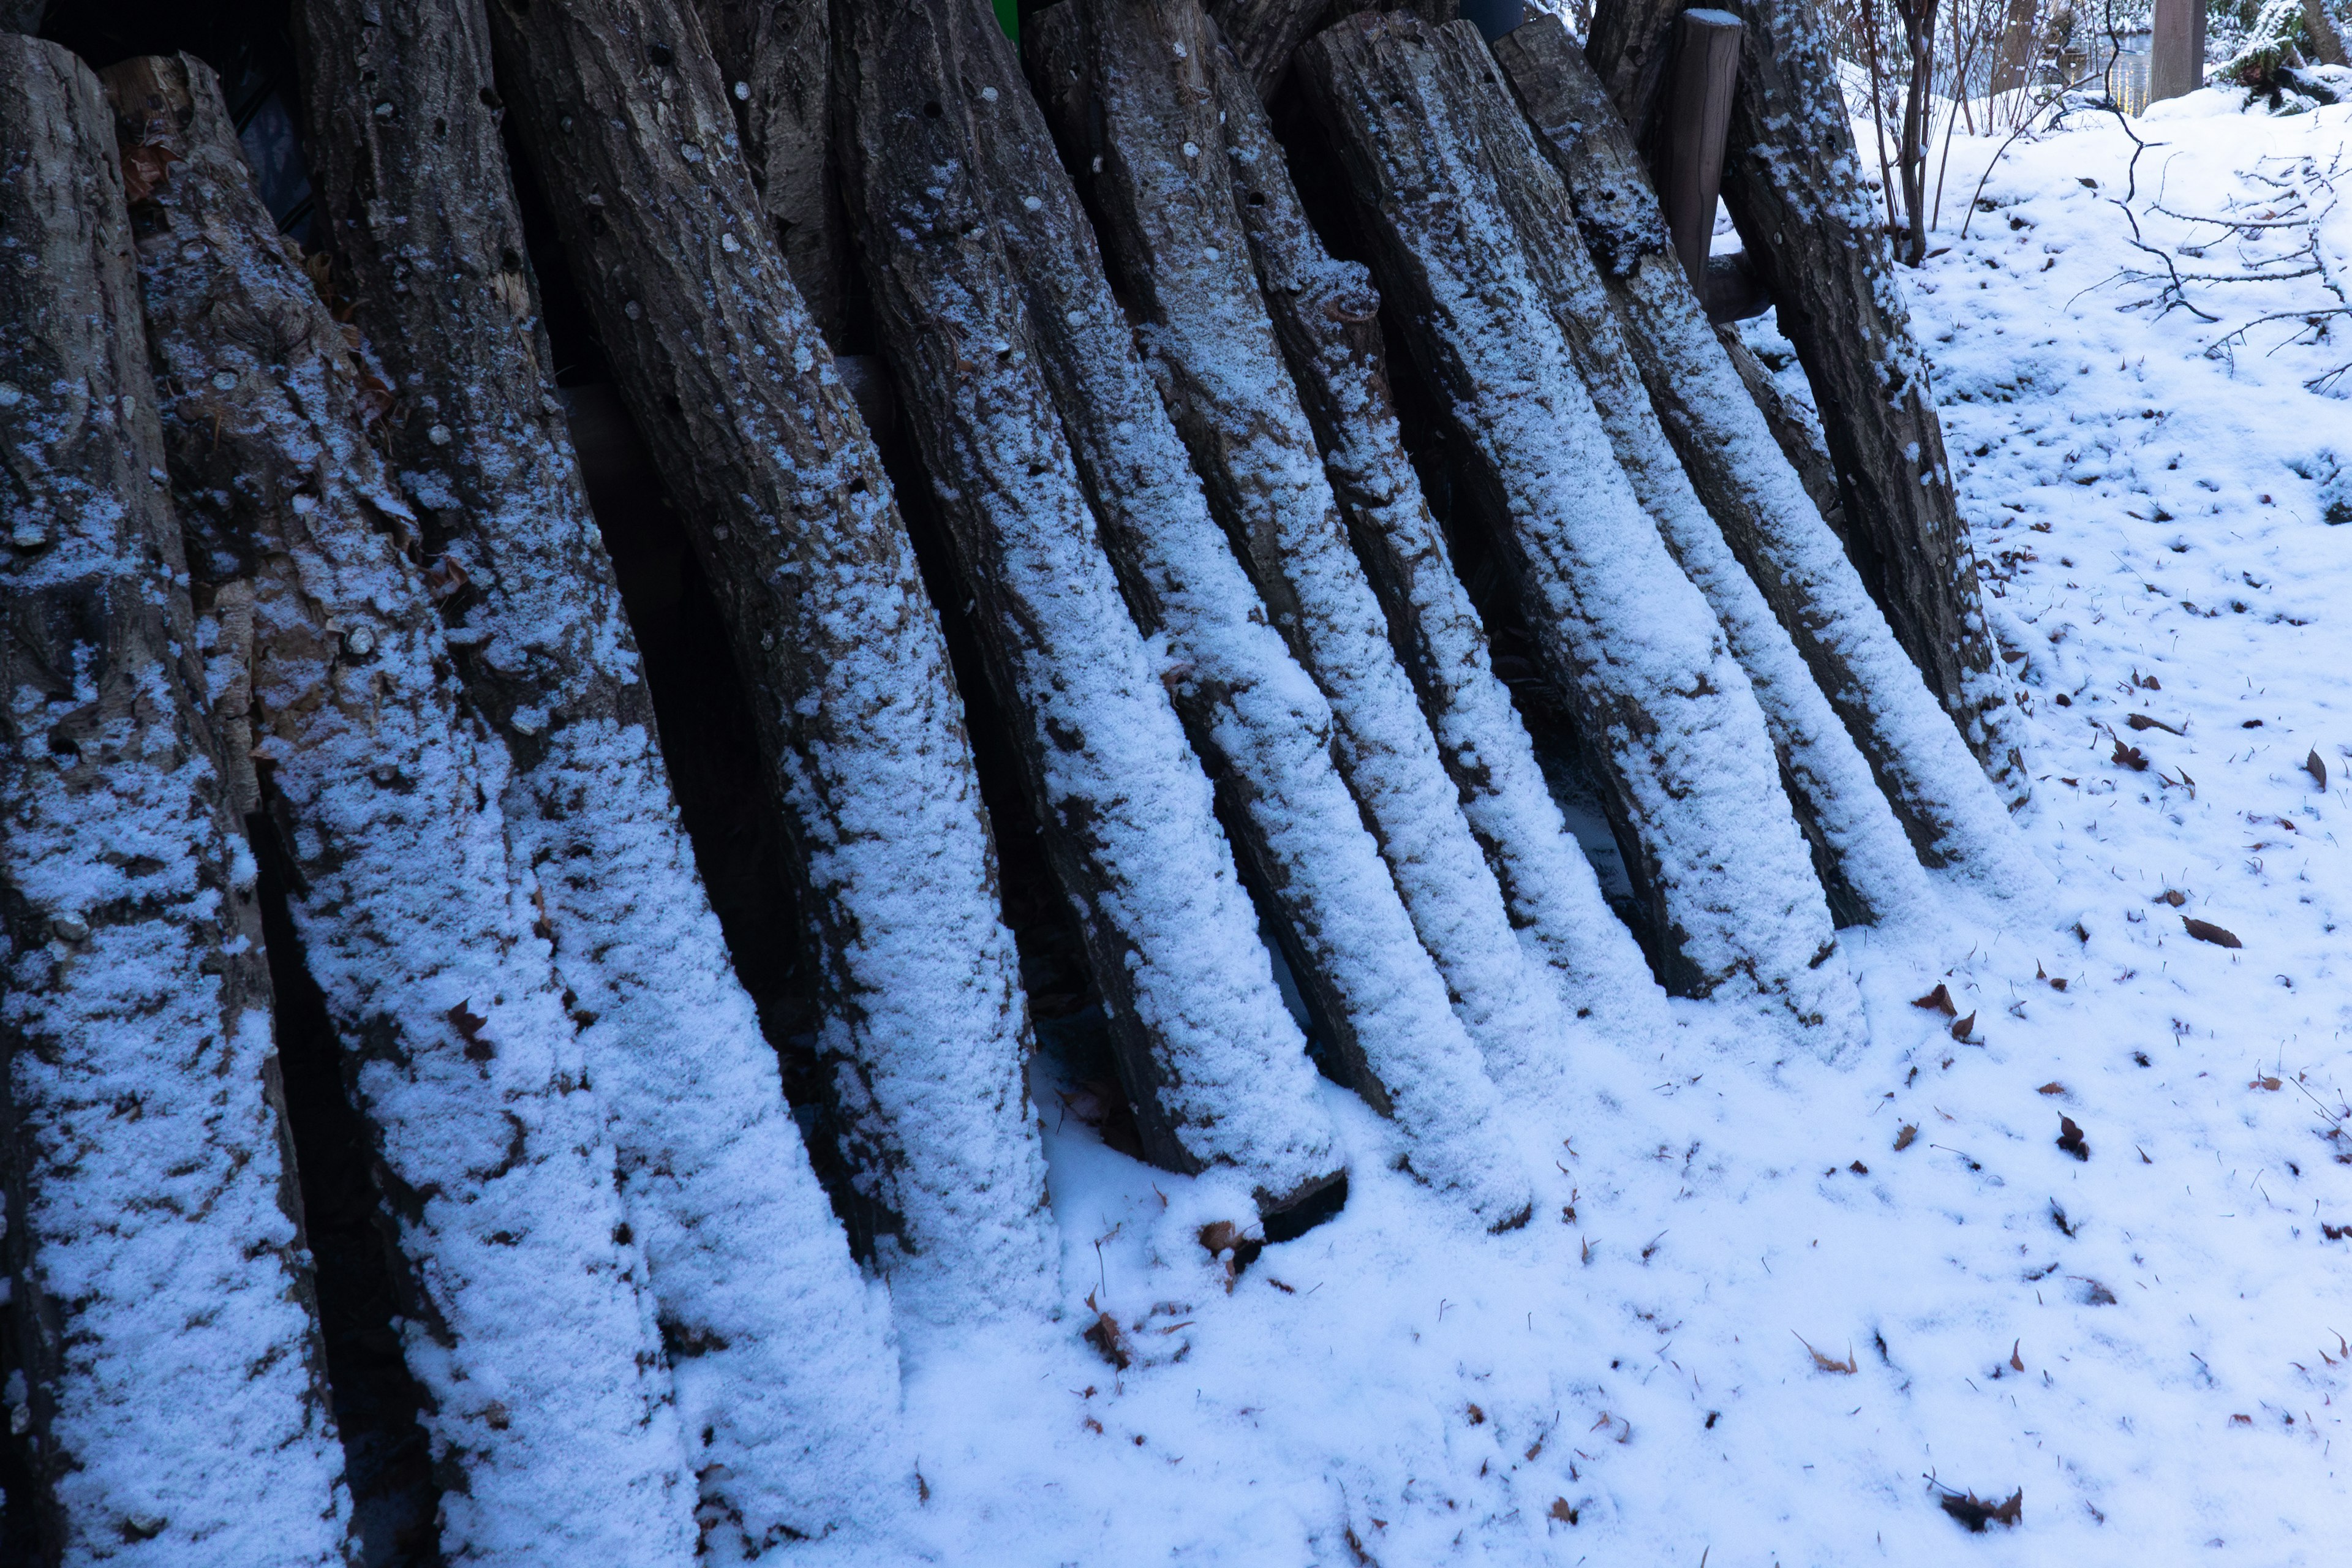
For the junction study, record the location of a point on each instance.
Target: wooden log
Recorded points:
(1172, 230)
(1214, 1068)
(154, 1249)
(788, 1410)
(1867, 868)
(1326, 315)
(1794, 189)
(792, 517)
(774, 59)
(1943, 801)
(1263, 33)
(1698, 112)
(1665, 712)
(1796, 430)
(385, 795)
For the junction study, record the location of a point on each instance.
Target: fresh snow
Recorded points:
(1394, 1387)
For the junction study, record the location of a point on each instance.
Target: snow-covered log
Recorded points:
(1942, 798)
(163, 1374)
(786, 1382)
(1326, 315)
(1172, 230)
(790, 512)
(1794, 188)
(775, 60)
(550, 1408)
(1664, 709)
(1215, 1070)
(1255, 718)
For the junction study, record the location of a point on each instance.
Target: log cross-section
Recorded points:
(752, 1277)
(490, 1146)
(154, 1255)
(784, 499)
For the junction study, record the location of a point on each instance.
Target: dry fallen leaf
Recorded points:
(1976, 1512)
(1938, 1000)
(1845, 1368)
(2317, 769)
(2070, 1138)
(2142, 721)
(2206, 930)
(2130, 757)
(2052, 1087)
(1903, 1137)
(2016, 1362)
(1961, 1027)
(1560, 1510)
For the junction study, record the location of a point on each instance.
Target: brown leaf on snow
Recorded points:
(2016, 1362)
(1939, 1000)
(1560, 1510)
(1976, 1512)
(469, 1028)
(1961, 1026)
(1845, 1368)
(2052, 1087)
(2129, 757)
(2172, 896)
(1904, 1134)
(2142, 721)
(1108, 1338)
(2071, 1139)
(2265, 1081)
(2317, 769)
(2206, 930)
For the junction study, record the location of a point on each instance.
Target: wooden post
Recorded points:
(1689, 156)
(2177, 65)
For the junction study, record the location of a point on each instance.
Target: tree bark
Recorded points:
(1254, 716)
(1663, 708)
(793, 519)
(1263, 35)
(1945, 806)
(1212, 1064)
(751, 1275)
(154, 1247)
(1326, 315)
(1793, 188)
(490, 1147)
(1172, 230)
(774, 58)
(1867, 867)
(1795, 431)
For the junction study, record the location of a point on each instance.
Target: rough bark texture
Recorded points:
(1795, 191)
(1171, 228)
(792, 517)
(165, 1380)
(1794, 429)
(775, 59)
(1944, 802)
(1254, 716)
(1326, 314)
(1213, 1066)
(1664, 712)
(787, 1383)
(1264, 33)
(386, 794)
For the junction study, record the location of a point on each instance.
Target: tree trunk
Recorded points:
(1211, 1061)
(1255, 718)
(157, 1271)
(1664, 709)
(1263, 33)
(775, 60)
(1942, 799)
(1792, 185)
(754, 430)
(1173, 233)
(490, 1146)
(749, 1272)
(1326, 316)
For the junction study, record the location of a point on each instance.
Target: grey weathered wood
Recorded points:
(1446, 172)
(154, 1246)
(1794, 189)
(1264, 33)
(1326, 315)
(774, 59)
(938, 136)
(1172, 231)
(460, 1049)
(1697, 115)
(418, 213)
(1735, 467)
(2177, 49)
(784, 499)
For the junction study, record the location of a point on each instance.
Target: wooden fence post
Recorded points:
(2177, 65)
(1700, 81)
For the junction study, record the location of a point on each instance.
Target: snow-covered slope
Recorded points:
(2145, 1340)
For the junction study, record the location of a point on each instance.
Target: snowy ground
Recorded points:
(1766, 1315)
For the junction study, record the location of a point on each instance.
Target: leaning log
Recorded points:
(1663, 710)
(784, 499)
(1172, 231)
(154, 1255)
(1254, 717)
(1326, 314)
(1263, 33)
(385, 795)
(1794, 188)
(787, 1380)
(1943, 800)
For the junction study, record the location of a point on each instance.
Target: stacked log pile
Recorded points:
(304, 600)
